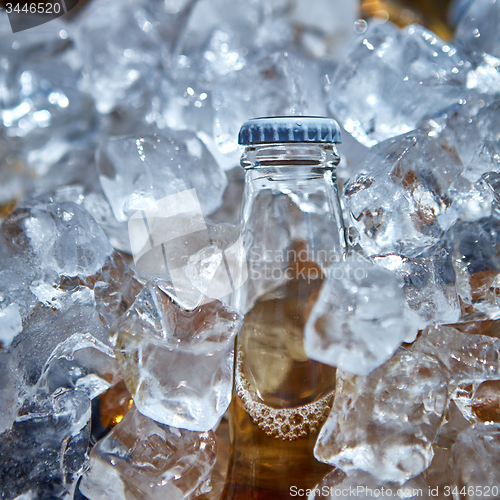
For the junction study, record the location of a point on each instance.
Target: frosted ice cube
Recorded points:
(401, 198)
(391, 79)
(386, 423)
(137, 171)
(324, 28)
(359, 319)
(476, 35)
(177, 364)
(143, 459)
(43, 107)
(10, 324)
(248, 25)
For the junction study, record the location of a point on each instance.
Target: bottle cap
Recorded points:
(289, 129)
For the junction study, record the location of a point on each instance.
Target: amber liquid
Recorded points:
(281, 400)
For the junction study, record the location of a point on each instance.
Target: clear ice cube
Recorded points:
(360, 317)
(143, 459)
(429, 284)
(177, 364)
(391, 79)
(477, 35)
(137, 171)
(400, 200)
(475, 461)
(465, 357)
(386, 423)
(477, 264)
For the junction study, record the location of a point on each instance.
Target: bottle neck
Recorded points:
(291, 216)
(290, 154)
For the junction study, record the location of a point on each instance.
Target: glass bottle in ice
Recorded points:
(293, 231)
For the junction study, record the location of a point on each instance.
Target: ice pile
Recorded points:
(103, 124)
(423, 205)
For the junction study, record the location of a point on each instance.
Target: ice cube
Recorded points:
(477, 262)
(465, 357)
(137, 171)
(477, 35)
(80, 362)
(475, 461)
(247, 25)
(401, 198)
(429, 284)
(61, 274)
(438, 473)
(470, 131)
(386, 423)
(43, 108)
(177, 364)
(45, 452)
(10, 324)
(486, 401)
(360, 318)
(143, 459)
(324, 28)
(391, 79)
(63, 237)
(115, 289)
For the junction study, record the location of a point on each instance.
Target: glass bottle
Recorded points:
(292, 231)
